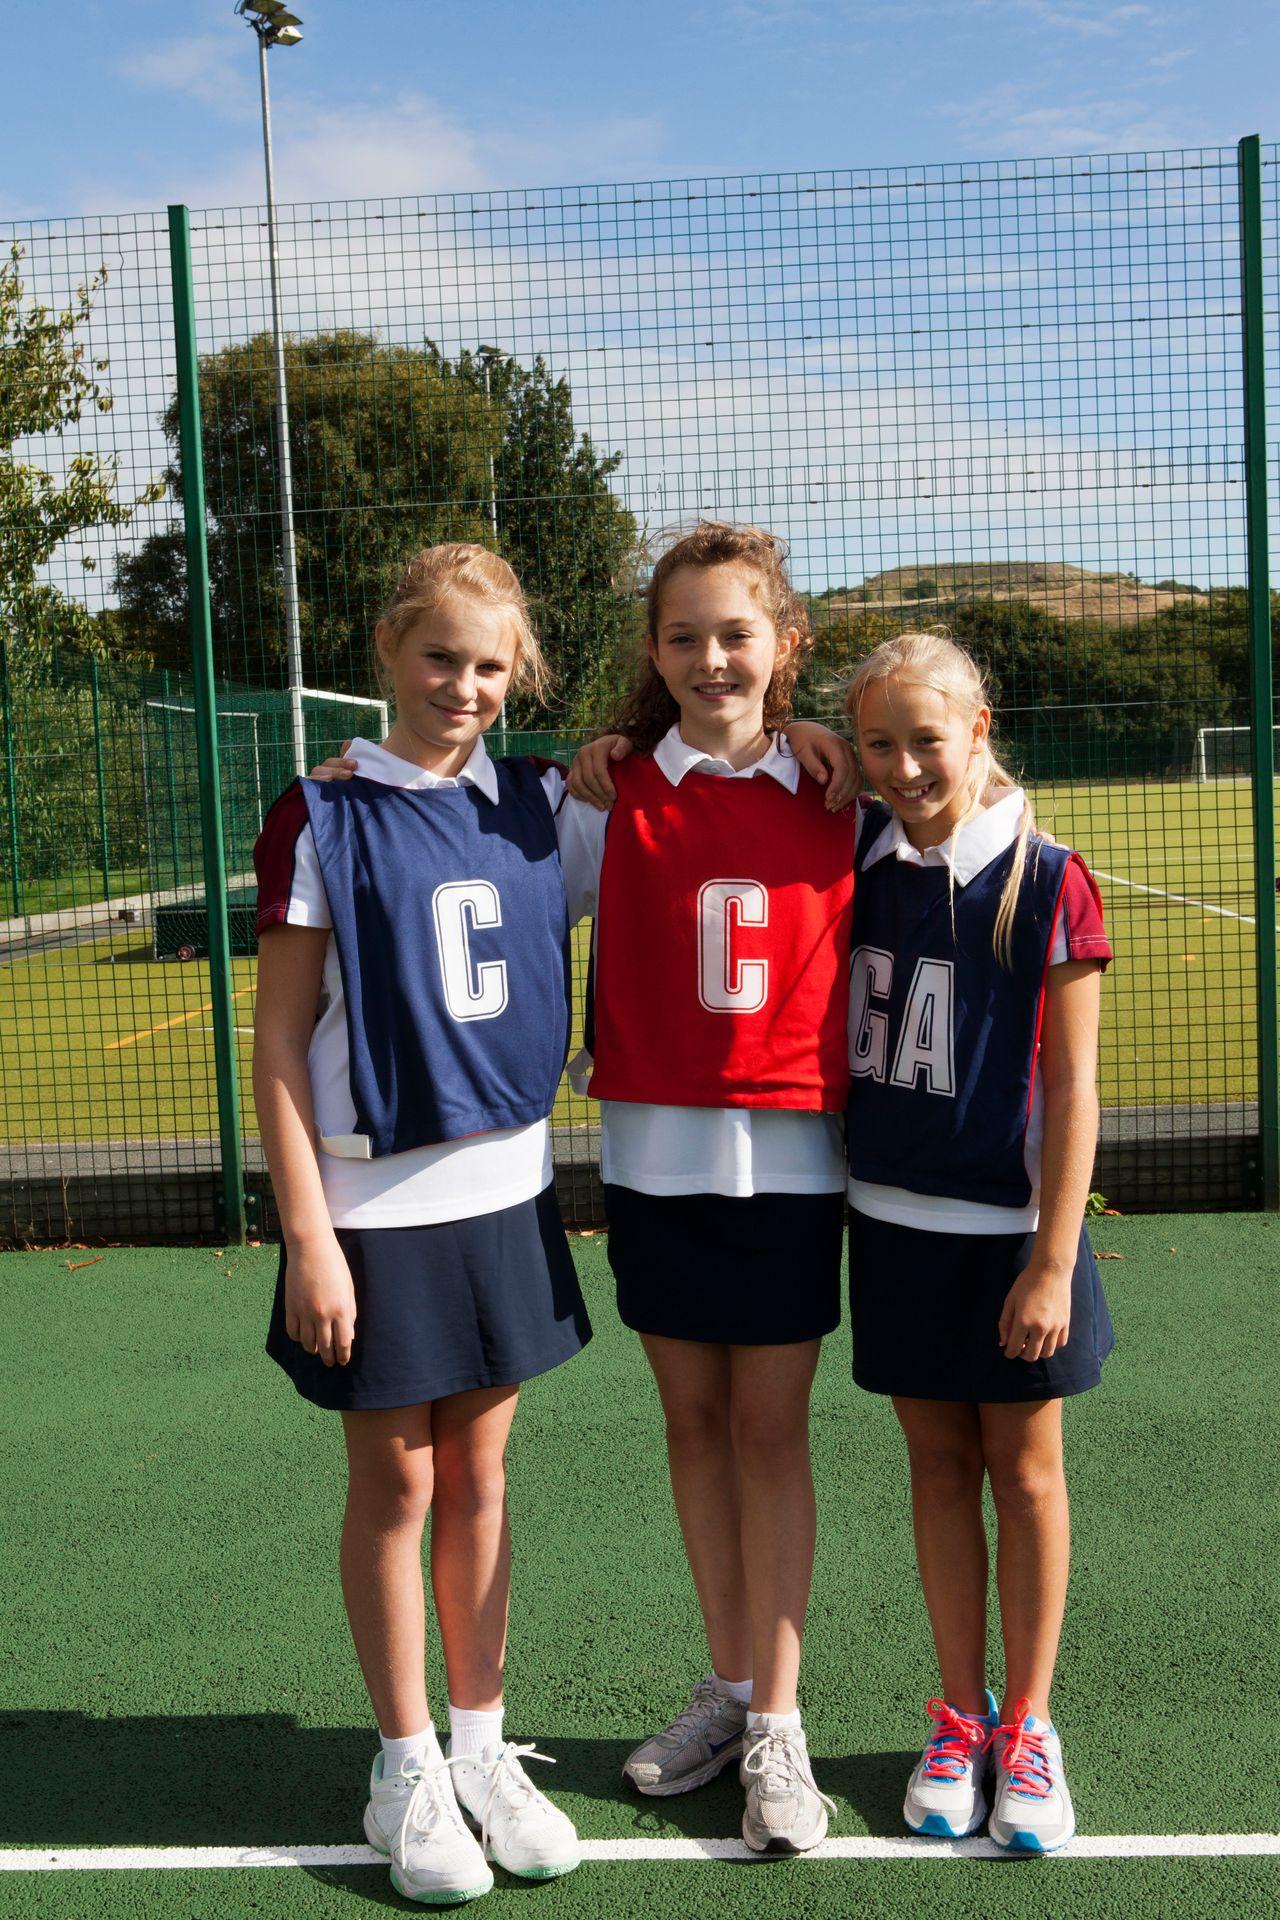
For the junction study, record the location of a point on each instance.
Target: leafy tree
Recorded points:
(47, 383)
(568, 537)
(393, 448)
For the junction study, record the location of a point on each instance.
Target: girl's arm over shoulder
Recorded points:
(336, 767)
(827, 759)
(1036, 1320)
(320, 1307)
(589, 775)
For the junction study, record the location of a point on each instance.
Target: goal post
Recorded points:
(257, 753)
(1226, 753)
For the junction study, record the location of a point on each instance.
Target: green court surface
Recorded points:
(123, 1043)
(177, 1671)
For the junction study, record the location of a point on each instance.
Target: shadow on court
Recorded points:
(262, 1780)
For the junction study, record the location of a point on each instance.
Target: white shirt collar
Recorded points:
(979, 841)
(375, 763)
(676, 758)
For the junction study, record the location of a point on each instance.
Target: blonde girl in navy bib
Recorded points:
(721, 884)
(971, 1128)
(412, 1020)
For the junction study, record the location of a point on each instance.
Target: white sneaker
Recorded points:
(786, 1812)
(946, 1793)
(1033, 1811)
(519, 1827)
(414, 1817)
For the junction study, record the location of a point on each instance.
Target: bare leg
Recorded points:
(770, 1423)
(389, 1482)
(1023, 1448)
(944, 1443)
(471, 1541)
(694, 1385)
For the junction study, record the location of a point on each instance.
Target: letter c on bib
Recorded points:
(472, 991)
(726, 985)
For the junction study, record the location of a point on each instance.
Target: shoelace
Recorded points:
(1024, 1755)
(774, 1754)
(691, 1719)
(951, 1747)
(427, 1806)
(507, 1772)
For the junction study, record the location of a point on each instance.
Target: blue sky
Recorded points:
(157, 102)
(974, 366)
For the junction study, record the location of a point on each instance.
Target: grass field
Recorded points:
(177, 1672)
(121, 1046)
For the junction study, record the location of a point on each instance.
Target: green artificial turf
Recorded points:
(177, 1671)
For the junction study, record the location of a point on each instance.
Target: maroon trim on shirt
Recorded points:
(274, 855)
(1082, 916)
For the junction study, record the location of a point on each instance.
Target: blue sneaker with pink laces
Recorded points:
(946, 1794)
(1033, 1811)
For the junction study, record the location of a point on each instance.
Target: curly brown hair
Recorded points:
(649, 711)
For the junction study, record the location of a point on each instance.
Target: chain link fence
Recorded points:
(1008, 397)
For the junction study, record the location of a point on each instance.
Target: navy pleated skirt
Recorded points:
(761, 1271)
(926, 1313)
(444, 1309)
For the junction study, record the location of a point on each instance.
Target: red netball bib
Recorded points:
(722, 944)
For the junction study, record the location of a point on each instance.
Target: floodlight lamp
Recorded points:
(285, 37)
(282, 19)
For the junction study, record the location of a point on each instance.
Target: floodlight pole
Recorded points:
(292, 615)
(493, 527)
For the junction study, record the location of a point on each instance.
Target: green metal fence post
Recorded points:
(1260, 676)
(103, 842)
(206, 722)
(10, 778)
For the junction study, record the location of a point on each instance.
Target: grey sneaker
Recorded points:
(700, 1743)
(786, 1811)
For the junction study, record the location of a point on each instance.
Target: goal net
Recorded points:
(1226, 753)
(255, 763)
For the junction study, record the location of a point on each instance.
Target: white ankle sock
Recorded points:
(772, 1722)
(739, 1690)
(471, 1731)
(413, 1745)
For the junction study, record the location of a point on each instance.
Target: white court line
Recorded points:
(1120, 1846)
(1183, 899)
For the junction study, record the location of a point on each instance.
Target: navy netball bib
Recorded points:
(453, 939)
(943, 1037)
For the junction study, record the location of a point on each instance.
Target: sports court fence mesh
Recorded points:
(1008, 397)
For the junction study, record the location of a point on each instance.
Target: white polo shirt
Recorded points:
(734, 1151)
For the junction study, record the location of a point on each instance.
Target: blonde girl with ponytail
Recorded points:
(978, 949)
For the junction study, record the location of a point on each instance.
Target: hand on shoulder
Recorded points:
(336, 767)
(589, 775)
(827, 759)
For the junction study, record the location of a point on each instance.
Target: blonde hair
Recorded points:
(934, 660)
(649, 710)
(459, 567)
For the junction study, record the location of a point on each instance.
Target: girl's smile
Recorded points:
(716, 652)
(450, 674)
(917, 751)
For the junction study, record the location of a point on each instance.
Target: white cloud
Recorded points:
(203, 66)
(391, 146)
(1001, 122)
(1091, 19)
